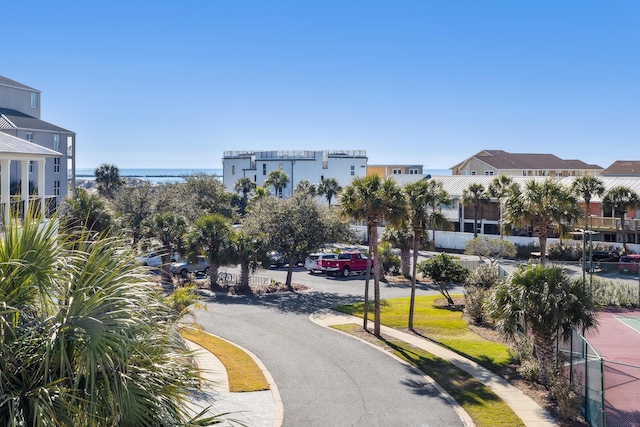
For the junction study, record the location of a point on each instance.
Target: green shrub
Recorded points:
(389, 262)
(474, 297)
(524, 251)
(476, 287)
(607, 293)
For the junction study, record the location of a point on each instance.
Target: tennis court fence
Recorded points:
(609, 391)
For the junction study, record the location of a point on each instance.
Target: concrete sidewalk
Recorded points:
(254, 409)
(527, 409)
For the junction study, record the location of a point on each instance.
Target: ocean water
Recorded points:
(155, 176)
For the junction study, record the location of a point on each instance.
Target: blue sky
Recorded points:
(174, 84)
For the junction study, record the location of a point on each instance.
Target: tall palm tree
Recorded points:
(373, 200)
(587, 186)
(329, 188)
(418, 195)
(542, 301)
(108, 179)
(278, 180)
(619, 199)
(499, 188)
(475, 196)
(542, 205)
(244, 186)
(169, 229)
(437, 197)
(211, 234)
(306, 187)
(84, 340)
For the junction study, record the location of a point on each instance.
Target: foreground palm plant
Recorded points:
(84, 341)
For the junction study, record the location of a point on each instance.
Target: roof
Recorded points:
(499, 159)
(623, 168)
(12, 119)
(456, 184)
(12, 145)
(12, 83)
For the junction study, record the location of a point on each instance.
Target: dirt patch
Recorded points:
(270, 288)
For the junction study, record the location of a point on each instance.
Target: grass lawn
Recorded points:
(440, 324)
(484, 407)
(244, 374)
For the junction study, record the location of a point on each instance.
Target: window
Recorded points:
(31, 166)
(395, 171)
(56, 188)
(56, 165)
(413, 171)
(264, 169)
(353, 170)
(56, 142)
(488, 173)
(473, 172)
(34, 100)
(29, 136)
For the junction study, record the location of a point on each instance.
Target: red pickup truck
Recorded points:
(345, 264)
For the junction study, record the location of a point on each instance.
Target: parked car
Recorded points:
(278, 260)
(345, 264)
(312, 262)
(603, 260)
(153, 259)
(629, 264)
(184, 267)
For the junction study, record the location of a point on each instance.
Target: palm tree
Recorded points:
(542, 205)
(246, 254)
(542, 301)
(278, 180)
(373, 200)
(108, 179)
(211, 234)
(619, 199)
(500, 188)
(244, 186)
(86, 212)
(84, 340)
(475, 196)
(329, 188)
(306, 187)
(400, 237)
(587, 186)
(437, 197)
(418, 195)
(169, 229)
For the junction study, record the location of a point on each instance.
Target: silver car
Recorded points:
(184, 267)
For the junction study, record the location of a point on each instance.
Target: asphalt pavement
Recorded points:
(325, 378)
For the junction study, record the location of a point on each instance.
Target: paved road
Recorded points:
(326, 378)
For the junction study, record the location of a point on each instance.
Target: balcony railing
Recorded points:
(17, 207)
(598, 223)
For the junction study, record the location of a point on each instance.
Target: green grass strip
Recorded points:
(440, 324)
(244, 374)
(484, 407)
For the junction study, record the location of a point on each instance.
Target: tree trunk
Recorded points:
(292, 263)
(376, 281)
(543, 247)
(543, 348)
(213, 277)
(366, 281)
(405, 261)
(414, 268)
(244, 275)
(475, 222)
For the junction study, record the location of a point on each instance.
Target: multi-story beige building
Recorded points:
(499, 162)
